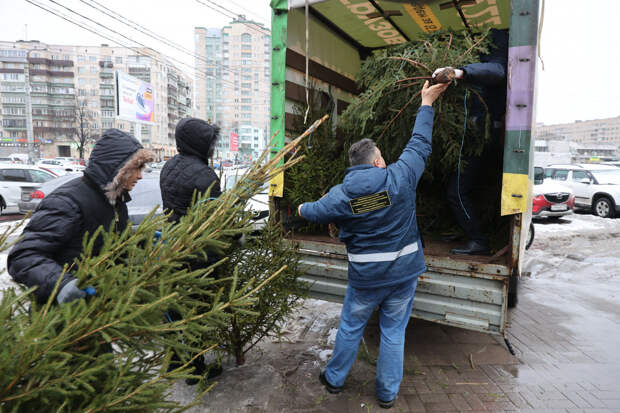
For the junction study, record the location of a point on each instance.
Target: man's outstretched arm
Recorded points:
(419, 146)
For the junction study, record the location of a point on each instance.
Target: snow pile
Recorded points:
(5, 279)
(576, 247)
(577, 225)
(331, 337)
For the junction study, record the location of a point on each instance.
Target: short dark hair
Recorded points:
(362, 152)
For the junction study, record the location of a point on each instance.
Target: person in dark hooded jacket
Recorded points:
(53, 237)
(189, 171)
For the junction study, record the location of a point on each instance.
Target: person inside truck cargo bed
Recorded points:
(374, 209)
(489, 78)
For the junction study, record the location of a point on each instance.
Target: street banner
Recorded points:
(234, 142)
(134, 99)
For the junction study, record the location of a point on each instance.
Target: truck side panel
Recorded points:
(471, 296)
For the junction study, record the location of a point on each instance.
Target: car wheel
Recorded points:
(2, 205)
(603, 207)
(530, 236)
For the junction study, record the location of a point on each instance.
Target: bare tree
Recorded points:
(82, 132)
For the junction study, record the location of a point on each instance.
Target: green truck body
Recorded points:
(328, 40)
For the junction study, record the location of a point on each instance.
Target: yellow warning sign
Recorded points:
(423, 16)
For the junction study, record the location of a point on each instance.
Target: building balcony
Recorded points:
(10, 70)
(51, 129)
(51, 73)
(49, 62)
(14, 127)
(106, 64)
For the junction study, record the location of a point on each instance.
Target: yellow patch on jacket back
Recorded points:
(368, 203)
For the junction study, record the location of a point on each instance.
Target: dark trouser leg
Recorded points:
(462, 206)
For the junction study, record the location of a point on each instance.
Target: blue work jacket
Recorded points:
(375, 211)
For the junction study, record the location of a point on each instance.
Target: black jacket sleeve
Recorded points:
(491, 71)
(205, 180)
(32, 261)
(485, 74)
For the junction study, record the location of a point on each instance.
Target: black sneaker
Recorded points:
(199, 369)
(329, 387)
(386, 405)
(214, 370)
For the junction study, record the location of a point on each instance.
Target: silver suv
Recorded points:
(596, 187)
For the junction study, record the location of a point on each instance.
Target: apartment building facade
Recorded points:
(232, 84)
(63, 78)
(597, 131)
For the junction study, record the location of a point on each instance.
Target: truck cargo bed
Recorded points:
(466, 291)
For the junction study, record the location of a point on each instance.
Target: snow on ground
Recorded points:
(577, 224)
(5, 278)
(576, 246)
(583, 250)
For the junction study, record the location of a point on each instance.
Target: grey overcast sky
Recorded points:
(579, 44)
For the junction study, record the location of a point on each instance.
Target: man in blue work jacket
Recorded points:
(374, 209)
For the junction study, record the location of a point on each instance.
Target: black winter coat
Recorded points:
(489, 77)
(188, 171)
(53, 237)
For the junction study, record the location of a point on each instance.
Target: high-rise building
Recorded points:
(232, 83)
(63, 78)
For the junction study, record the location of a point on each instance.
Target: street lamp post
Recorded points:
(29, 132)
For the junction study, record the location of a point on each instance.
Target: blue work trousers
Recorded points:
(394, 304)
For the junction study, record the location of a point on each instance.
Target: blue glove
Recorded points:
(90, 290)
(70, 292)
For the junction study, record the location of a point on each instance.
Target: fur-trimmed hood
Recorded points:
(113, 159)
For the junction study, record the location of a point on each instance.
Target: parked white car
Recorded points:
(14, 176)
(596, 187)
(60, 166)
(258, 204)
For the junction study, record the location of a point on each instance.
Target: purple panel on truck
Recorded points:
(521, 67)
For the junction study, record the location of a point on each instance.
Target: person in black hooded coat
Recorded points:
(183, 175)
(53, 237)
(189, 170)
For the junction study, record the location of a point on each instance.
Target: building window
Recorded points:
(13, 76)
(246, 38)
